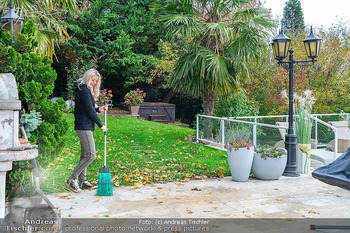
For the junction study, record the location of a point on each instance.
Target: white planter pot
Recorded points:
(303, 164)
(240, 161)
(268, 168)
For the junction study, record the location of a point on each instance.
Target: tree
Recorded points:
(46, 15)
(293, 19)
(328, 78)
(120, 36)
(222, 36)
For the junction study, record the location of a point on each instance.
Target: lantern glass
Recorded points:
(274, 49)
(281, 46)
(312, 45)
(13, 23)
(16, 28)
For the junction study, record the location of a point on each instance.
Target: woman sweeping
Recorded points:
(86, 89)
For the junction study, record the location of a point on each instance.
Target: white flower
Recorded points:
(284, 94)
(308, 94)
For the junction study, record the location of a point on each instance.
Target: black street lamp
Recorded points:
(280, 46)
(13, 23)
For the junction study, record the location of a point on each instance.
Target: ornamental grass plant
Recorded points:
(302, 111)
(240, 138)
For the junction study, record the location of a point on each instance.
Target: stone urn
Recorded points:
(269, 168)
(134, 110)
(240, 161)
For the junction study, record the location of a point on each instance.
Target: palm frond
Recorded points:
(47, 15)
(184, 25)
(225, 34)
(45, 40)
(200, 67)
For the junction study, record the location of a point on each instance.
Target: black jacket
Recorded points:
(85, 112)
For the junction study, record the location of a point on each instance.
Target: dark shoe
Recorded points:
(73, 185)
(86, 185)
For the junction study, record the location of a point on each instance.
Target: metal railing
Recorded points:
(219, 137)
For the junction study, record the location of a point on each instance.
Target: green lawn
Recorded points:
(140, 152)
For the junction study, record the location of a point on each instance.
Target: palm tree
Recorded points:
(47, 15)
(222, 36)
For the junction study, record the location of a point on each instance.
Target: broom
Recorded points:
(105, 184)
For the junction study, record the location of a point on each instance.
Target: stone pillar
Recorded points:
(10, 105)
(4, 167)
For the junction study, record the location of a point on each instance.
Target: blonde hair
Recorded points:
(95, 90)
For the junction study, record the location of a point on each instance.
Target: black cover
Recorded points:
(336, 173)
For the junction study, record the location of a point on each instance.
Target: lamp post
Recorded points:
(280, 46)
(13, 23)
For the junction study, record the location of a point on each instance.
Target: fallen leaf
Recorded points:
(159, 188)
(196, 189)
(178, 183)
(137, 185)
(279, 199)
(63, 196)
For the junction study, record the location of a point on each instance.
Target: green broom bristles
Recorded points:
(105, 184)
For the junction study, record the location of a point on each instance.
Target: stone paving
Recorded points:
(288, 197)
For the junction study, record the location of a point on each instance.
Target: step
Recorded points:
(157, 117)
(161, 121)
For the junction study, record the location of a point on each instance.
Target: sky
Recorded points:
(325, 14)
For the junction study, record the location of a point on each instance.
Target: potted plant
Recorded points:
(269, 162)
(304, 159)
(133, 98)
(302, 109)
(303, 125)
(105, 97)
(240, 152)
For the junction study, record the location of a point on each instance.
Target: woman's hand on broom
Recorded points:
(103, 108)
(104, 128)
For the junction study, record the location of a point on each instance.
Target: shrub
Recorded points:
(35, 80)
(235, 104)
